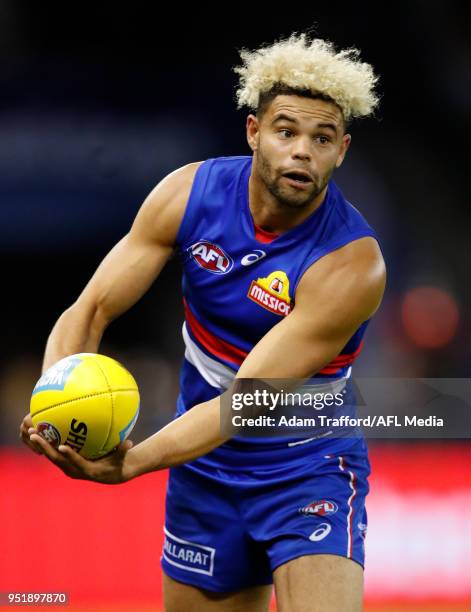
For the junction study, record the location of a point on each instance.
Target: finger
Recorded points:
(24, 427)
(30, 445)
(24, 437)
(73, 456)
(48, 450)
(118, 452)
(123, 448)
(126, 445)
(26, 423)
(24, 431)
(35, 448)
(27, 420)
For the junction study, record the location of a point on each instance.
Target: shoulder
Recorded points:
(176, 186)
(228, 166)
(363, 253)
(179, 183)
(161, 213)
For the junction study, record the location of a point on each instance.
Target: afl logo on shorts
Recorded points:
(211, 257)
(319, 508)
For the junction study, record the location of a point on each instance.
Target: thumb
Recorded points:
(124, 447)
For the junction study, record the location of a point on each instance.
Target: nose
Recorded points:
(301, 149)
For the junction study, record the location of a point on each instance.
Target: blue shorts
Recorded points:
(229, 531)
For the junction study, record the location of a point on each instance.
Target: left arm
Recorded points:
(333, 298)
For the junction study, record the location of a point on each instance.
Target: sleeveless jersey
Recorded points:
(238, 282)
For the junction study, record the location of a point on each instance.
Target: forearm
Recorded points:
(77, 330)
(192, 435)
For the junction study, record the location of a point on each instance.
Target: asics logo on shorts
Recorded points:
(321, 532)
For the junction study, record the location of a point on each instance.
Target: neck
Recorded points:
(271, 214)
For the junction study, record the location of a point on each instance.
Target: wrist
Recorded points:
(130, 466)
(139, 460)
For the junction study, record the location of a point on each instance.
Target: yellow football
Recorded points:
(88, 401)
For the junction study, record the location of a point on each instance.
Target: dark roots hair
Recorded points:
(280, 89)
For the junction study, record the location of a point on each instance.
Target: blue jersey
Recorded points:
(238, 282)
(236, 514)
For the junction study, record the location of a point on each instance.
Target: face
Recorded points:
(297, 145)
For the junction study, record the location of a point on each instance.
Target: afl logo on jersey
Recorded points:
(211, 257)
(272, 292)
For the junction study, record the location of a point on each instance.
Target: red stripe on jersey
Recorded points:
(341, 361)
(214, 345)
(224, 350)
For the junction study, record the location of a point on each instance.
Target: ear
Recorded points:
(253, 131)
(346, 140)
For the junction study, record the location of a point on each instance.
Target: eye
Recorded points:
(285, 133)
(323, 139)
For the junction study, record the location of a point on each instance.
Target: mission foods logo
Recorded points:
(211, 257)
(272, 292)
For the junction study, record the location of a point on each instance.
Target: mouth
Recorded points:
(298, 178)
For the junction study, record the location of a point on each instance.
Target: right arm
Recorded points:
(124, 275)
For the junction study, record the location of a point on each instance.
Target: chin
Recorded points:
(291, 202)
(300, 200)
(289, 198)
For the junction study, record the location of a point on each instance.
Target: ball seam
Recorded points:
(110, 390)
(79, 398)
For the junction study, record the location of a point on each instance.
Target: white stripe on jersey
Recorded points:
(214, 373)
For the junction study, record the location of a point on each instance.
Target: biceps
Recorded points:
(124, 276)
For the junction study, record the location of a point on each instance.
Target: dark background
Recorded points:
(100, 101)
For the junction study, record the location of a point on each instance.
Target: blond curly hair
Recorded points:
(312, 66)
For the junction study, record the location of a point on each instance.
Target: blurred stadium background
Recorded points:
(100, 101)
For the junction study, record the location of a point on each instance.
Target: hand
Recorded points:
(110, 469)
(27, 424)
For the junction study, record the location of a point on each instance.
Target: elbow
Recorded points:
(90, 315)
